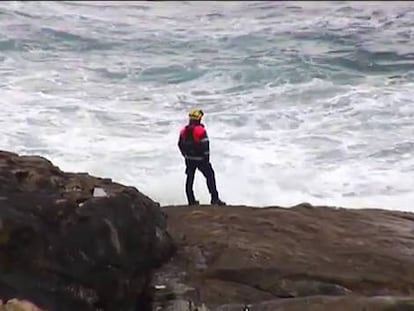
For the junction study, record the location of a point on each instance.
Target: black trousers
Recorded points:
(206, 169)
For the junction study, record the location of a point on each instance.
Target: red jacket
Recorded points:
(193, 142)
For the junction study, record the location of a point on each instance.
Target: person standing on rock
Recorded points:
(195, 147)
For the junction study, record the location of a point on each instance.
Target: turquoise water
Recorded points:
(304, 101)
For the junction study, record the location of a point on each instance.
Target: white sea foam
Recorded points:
(287, 123)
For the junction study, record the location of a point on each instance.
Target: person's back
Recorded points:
(193, 141)
(195, 148)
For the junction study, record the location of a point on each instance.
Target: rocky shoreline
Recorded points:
(71, 241)
(298, 258)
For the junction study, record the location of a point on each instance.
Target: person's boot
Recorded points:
(217, 202)
(192, 203)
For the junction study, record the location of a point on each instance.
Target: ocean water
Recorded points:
(304, 101)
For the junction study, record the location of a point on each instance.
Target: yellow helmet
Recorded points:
(196, 114)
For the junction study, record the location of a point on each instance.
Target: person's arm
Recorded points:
(181, 142)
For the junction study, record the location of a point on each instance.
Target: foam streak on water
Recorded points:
(304, 101)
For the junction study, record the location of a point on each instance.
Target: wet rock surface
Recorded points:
(296, 258)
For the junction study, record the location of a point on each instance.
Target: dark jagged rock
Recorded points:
(65, 248)
(300, 258)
